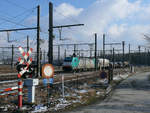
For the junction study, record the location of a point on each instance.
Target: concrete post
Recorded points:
(31, 83)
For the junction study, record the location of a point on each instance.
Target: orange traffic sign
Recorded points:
(47, 71)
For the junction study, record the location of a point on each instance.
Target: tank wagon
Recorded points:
(76, 63)
(103, 63)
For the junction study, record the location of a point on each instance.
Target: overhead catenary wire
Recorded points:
(26, 11)
(18, 15)
(25, 17)
(16, 23)
(23, 13)
(65, 17)
(10, 20)
(14, 4)
(69, 18)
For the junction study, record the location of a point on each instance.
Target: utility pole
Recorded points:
(65, 53)
(50, 46)
(90, 45)
(129, 55)
(139, 47)
(27, 43)
(79, 53)
(123, 44)
(90, 53)
(59, 54)
(110, 46)
(145, 55)
(95, 51)
(74, 49)
(38, 41)
(50, 52)
(145, 50)
(103, 50)
(113, 64)
(113, 58)
(60, 30)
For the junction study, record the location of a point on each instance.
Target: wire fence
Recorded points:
(10, 55)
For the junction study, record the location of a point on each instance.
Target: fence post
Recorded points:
(12, 56)
(65, 53)
(113, 66)
(123, 46)
(59, 54)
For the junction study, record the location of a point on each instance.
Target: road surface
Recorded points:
(131, 96)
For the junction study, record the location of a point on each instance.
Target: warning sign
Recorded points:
(47, 71)
(27, 61)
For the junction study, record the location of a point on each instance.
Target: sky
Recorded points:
(120, 20)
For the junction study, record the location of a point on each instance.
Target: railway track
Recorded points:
(67, 79)
(13, 76)
(10, 79)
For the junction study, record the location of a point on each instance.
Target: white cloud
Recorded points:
(65, 10)
(123, 8)
(103, 13)
(116, 18)
(119, 19)
(116, 30)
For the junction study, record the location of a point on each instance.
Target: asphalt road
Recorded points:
(131, 96)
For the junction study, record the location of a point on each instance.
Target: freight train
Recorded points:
(76, 63)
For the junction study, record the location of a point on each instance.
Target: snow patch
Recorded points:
(63, 103)
(39, 108)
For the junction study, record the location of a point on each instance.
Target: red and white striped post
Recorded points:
(20, 86)
(19, 94)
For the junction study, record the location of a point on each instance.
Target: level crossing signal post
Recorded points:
(26, 61)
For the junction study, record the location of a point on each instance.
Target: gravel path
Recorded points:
(131, 96)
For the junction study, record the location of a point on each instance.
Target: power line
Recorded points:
(23, 13)
(25, 17)
(69, 18)
(32, 10)
(10, 21)
(14, 4)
